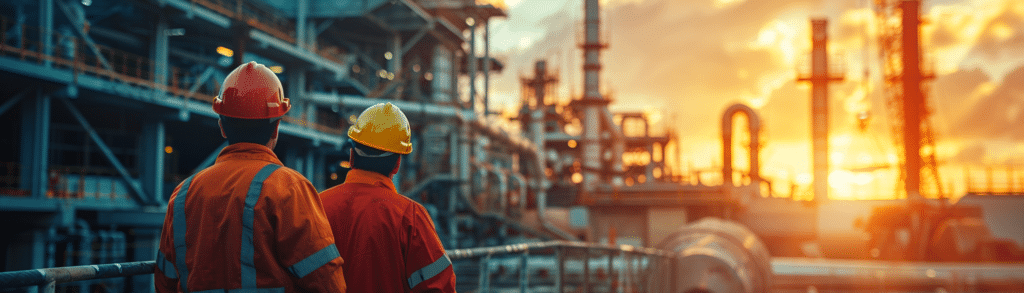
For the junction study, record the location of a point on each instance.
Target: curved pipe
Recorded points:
(754, 124)
(714, 255)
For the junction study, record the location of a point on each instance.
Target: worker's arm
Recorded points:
(428, 269)
(165, 275)
(304, 239)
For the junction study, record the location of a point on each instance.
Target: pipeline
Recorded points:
(754, 124)
(719, 256)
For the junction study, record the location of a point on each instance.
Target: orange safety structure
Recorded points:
(247, 223)
(389, 240)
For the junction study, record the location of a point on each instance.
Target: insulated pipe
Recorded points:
(714, 255)
(754, 124)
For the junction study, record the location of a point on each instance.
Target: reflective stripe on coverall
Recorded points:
(246, 224)
(390, 243)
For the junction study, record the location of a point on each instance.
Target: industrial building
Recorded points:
(106, 107)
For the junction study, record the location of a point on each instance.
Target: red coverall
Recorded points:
(390, 244)
(247, 223)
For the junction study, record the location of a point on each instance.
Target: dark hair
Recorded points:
(258, 131)
(382, 165)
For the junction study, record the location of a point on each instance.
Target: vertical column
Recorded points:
(317, 177)
(35, 144)
(487, 66)
(819, 107)
(395, 63)
(295, 90)
(151, 159)
(46, 28)
(309, 165)
(301, 11)
(27, 251)
(593, 101)
(471, 62)
(145, 243)
(913, 98)
(820, 77)
(160, 52)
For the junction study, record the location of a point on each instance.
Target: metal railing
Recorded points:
(69, 52)
(559, 266)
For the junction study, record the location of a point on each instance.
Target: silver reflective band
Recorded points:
(179, 227)
(314, 261)
(429, 271)
(364, 154)
(248, 220)
(166, 266)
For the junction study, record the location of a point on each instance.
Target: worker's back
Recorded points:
(387, 240)
(248, 223)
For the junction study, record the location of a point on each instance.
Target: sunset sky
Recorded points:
(687, 61)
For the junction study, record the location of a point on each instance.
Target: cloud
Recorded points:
(999, 115)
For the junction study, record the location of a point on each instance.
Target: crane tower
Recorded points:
(900, 48)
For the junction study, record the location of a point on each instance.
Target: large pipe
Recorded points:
(754, 125)
(714, 255)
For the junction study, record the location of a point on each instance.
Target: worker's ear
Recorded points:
(398, 163)
(221, 125)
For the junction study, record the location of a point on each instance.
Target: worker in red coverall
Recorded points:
(247, 224)
(390, 243)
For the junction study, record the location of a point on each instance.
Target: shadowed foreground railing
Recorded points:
(557, 266)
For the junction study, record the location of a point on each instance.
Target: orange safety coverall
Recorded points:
(247, 223)
(390, 243)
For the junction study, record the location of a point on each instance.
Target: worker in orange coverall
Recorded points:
(247, 224)
(390, 243)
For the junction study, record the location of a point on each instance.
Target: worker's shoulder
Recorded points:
(289, 174)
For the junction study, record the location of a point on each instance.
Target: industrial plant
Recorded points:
(107, 106)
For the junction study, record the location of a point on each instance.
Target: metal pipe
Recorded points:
(38, 277)
(754, 124)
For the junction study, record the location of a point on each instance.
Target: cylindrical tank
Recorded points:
(715, 255)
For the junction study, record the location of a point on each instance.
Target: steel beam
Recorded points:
(485, 275)
(79, 23)
(15, 100)
(151, 160)
(301, 11)
(137, 193)
(417, 37)
(302, 54)
(203, 77)
(161, 51)
(46, 29)
(524, 272)
(191, 10)
(487, 66)
(35, 145)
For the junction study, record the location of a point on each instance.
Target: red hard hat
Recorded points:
(251, 91)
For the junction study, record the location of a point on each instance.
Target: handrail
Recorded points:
(533, 246)
(47, 278)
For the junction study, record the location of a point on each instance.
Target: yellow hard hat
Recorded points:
(384, 127)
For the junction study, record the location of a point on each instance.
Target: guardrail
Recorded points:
(613, 268)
